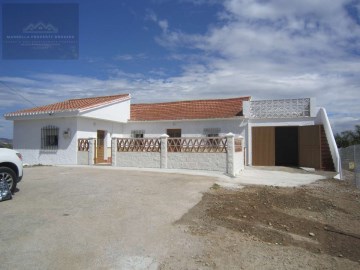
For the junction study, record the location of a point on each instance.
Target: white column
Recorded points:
(249, 145)
(113, 151)
(163, 151)
(91, 156)
(230, 155)
(242, 156)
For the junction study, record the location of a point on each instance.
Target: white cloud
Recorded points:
(163, 25)
(278, 49)
(150, 15)
(266, 49)
(130, 57)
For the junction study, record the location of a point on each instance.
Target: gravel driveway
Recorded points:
(96, 218)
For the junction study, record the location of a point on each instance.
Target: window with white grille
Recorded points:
(50, 137)
(137, 133)
(212, 132)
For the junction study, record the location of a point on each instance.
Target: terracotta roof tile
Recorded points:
(193, 109)
(71, 105)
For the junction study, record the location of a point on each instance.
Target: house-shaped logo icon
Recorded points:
(40, 28)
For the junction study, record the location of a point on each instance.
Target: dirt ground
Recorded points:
(263, 227)
(105, 218)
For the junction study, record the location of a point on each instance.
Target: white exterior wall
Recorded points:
(138, 159)
(304, 121)
(190, 128)
(82, 157)
(27, 140)
(87, 128)
(119, 112)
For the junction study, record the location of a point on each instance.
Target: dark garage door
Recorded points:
(286, 146)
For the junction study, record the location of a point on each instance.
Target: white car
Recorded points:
(11, 167)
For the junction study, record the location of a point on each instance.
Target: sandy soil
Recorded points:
(262, 227)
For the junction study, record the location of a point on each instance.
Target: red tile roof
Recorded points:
(180, 110)
(71, 105)
(193, 109)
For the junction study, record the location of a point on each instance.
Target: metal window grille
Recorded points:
(50, 137)
(137, 133)
(212, 132)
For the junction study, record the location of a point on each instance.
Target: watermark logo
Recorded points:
(40, 28)
(40, 31)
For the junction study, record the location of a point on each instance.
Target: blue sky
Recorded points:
(162, 50)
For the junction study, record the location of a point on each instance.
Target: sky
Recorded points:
(168, 50)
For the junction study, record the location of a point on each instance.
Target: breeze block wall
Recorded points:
(223, 154)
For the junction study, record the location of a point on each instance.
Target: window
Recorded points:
(212, 132)
(49, 137)
(137, 133)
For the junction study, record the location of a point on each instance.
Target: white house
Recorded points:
(289, 132)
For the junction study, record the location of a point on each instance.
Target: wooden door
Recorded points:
(309, 146)
(100, 146)
(263, 146)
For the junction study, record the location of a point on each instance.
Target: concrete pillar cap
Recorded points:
(230, 134)
(164, 136)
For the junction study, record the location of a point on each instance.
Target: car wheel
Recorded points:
(9, 176)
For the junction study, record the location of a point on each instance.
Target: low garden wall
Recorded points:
(197, 161)
(224, 154)
(138, 159)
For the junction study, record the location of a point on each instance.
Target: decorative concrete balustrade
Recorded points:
(223, 154)
(279, 108)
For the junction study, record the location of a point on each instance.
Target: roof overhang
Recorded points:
(60, 113)
(188, 120)
(42, 115)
